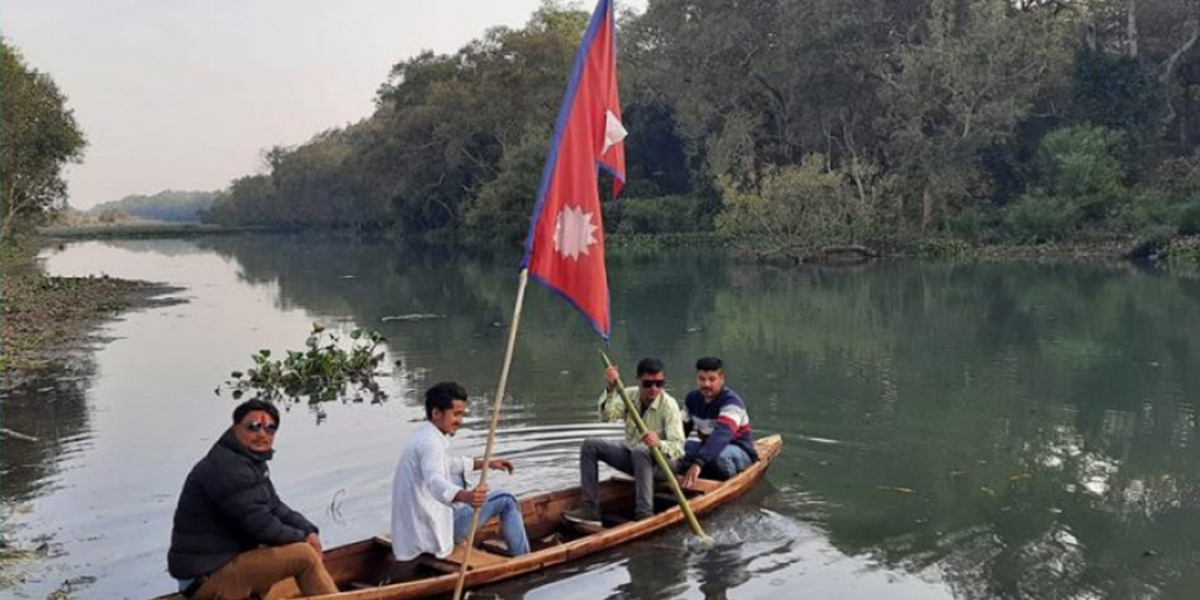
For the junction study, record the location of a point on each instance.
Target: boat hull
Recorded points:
(365, 564)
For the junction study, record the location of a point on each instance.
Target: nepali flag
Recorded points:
(565, 247)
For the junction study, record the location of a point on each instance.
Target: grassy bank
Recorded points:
(146, 230)
(1179, 251)
(44, 319)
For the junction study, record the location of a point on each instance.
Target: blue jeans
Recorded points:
(512, 525)
(730, 462)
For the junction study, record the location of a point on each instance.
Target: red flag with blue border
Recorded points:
(565, 247)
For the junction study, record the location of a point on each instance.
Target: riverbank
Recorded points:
(1178, 251)
(1181, 253)
(147, 229)
(45, 321)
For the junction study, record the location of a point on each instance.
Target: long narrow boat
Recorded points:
(362, 569)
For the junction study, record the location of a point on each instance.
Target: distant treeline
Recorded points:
(170, 206)
(792, 126)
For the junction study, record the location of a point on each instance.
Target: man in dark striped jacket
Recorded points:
(718, 415)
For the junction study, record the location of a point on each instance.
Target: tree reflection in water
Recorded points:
(52, 408)
(48, 419)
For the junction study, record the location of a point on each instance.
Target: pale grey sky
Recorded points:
(186, 94)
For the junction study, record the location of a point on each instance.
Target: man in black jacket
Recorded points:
(233, 537)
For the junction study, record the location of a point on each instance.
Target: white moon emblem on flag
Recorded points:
(573, 232)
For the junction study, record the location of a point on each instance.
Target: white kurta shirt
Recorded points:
(423, 491)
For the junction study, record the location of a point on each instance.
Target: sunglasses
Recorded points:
(257, 426)
(652, 383)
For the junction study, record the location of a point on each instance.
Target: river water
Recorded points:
(951, 430)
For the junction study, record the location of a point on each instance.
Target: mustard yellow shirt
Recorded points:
(662, 416)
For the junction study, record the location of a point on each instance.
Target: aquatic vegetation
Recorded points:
(323, 371)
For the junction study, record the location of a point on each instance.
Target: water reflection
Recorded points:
(48, 416)
(46, 420)
(655, 570)
(974, 430)
(1001, 423)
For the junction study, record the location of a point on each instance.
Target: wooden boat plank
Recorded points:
(704, 485)
(452, 563)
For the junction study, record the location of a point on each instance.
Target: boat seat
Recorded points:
(702, 486)
(495, 546)
(453, 563)
(610, 520)
(493, 551)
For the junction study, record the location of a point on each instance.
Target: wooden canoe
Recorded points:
(361, 569)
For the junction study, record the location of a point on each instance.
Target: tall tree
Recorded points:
(961, 90)
(39, 137)
(448, 121)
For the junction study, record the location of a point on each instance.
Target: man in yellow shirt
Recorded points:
(664, 430)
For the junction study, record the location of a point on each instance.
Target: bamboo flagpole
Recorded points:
(631, 410)
(487, 452)
(565, 247)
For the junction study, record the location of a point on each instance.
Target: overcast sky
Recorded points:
(186, 94)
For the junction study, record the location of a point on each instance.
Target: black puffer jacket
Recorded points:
(228, 506)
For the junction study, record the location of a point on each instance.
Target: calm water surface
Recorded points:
(972, 430)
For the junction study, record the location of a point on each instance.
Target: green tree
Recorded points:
(442, 131)
(1081, 181)
(315, 187)
(500, 213)
(246, 202)
(805, 209)
(929, 112)
(1116, 91)
(449, 121)
(960, 91)
(716, 63)
(1083, 161)
(39, 137)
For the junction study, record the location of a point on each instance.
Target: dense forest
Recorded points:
(790, 126)
(172, 206)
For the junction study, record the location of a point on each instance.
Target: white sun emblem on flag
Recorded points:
(573, 232)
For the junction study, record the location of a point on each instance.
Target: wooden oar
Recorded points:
(632, 411)
(487, 453)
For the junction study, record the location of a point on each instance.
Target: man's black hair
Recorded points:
(250, 406)
(649, 366)
(710, 363)
(442, 397)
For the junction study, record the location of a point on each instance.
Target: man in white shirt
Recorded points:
(431, 507)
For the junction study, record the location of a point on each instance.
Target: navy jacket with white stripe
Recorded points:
(721, 422)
